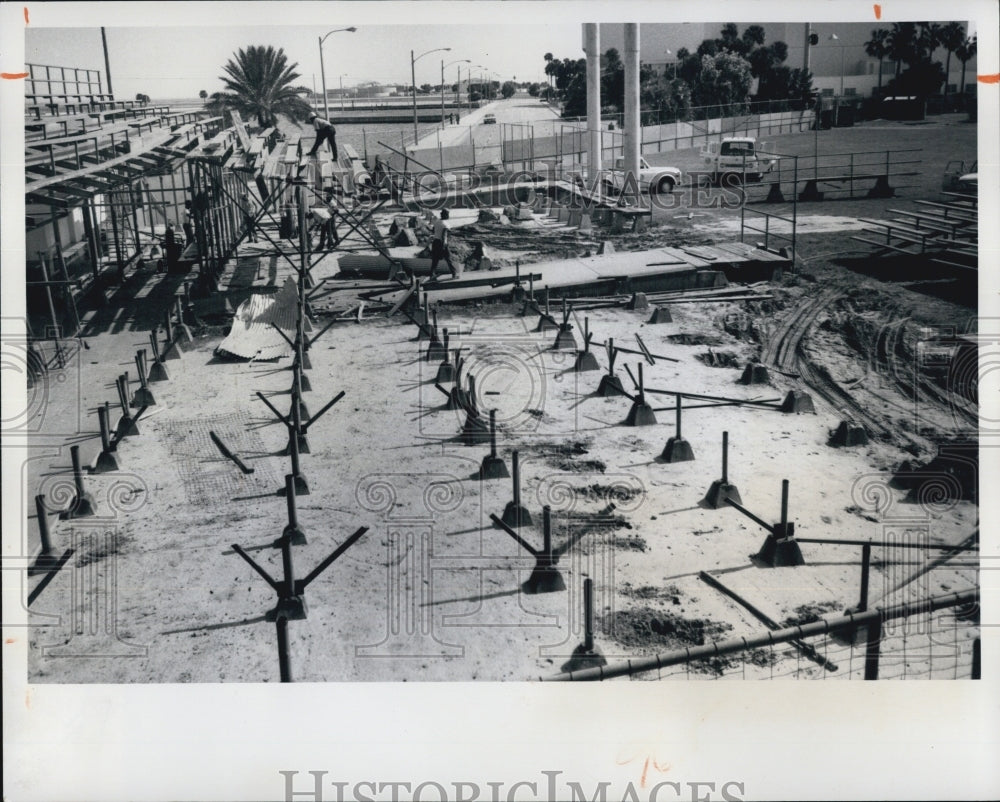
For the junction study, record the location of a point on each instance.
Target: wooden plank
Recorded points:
(683, 257)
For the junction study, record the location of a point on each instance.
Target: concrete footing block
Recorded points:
(798, 402)
(849, 433)
(565, 340)
(640, 414)
(106, 463)
(638, 301)
(301, 486)
(661, 315)
(493, 468)
(719, 492)
(475, 431)
(81, 506)
(583, 657)
(158, 373)
(755, 374)
(585, 361)
(544, 579)
(605, 248)
(677, 449)
(446, 373)
(780, 552)
(516, 515)
(610, 386)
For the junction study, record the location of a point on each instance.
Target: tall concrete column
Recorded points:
(592, 47)
(633, 132)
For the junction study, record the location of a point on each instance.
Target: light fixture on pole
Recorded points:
(322, 69)
(673, 62)
(413, 80)
(835, 38)
(443, 65)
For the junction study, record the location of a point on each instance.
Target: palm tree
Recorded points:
(259, 81)
(964, 53)
(952, 36)
(878, 47)
(203, 94)
(548, 64)
(902, 44)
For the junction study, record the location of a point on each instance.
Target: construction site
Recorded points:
(721, 428)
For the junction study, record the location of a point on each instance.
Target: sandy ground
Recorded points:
(432, 591)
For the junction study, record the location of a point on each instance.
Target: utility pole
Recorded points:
(107, 62)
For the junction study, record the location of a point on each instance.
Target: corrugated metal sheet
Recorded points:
(252, 335)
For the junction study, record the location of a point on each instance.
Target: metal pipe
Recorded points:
(74, 453)
(284, 658)
(102, 419)
(866, 557)
(588, 614)
(750, 515)
(493, 433)
(892, 544)
(288, 585)
(784, 503)
(43, 524)
(547, 531)
(725, 458)
(516, 473)
(823, 626)
(872, 649)
(677, 434)
(123, 393)
(293, 518)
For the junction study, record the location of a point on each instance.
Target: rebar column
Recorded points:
(292, 531)
(43, 527)
(106, 460)
(515, 515)
(82, 506)
(492, 466)
(284, 657)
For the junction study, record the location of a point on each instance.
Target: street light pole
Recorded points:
(443, 65)
(341, 92)
(413, 89)
(322, 68)
(413, 79)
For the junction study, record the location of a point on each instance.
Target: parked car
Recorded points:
(735, 157)
(960, 176)
(489, 119)
(651, 179)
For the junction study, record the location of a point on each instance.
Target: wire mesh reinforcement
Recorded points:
(208, 477)
(928, 639)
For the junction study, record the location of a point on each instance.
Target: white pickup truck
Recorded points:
(733, 158)
(651, 179)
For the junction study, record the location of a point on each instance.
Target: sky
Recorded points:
(168, 62)
(174, 50)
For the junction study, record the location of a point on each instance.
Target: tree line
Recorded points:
(721, 71)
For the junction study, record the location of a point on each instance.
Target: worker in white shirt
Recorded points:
(439, 245)
(325, 132)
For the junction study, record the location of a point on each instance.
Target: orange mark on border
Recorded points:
(26, 21)
(989, 79)
(878, 11)
(13, 76)
(11, 640)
